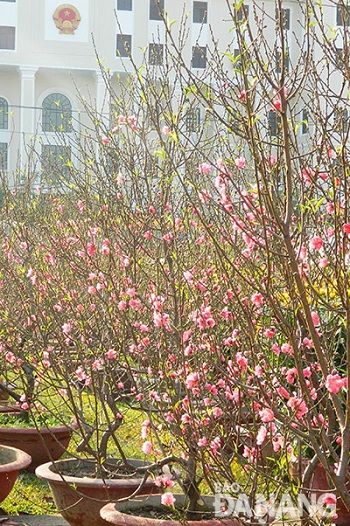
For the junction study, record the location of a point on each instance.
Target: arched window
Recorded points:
(4, 114)
(57, 113)
(193, 119)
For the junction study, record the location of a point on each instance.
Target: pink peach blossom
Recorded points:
(257, 299)
(277, 102)
(298, 405)
(168, 499)
(266, 415)
(215, 445)
(111, 354)
(282, 391)
(132, 120)
(308, 343)
(323, 263)
(66, 328)
(217, 412)
(242, 96)
(10, 357)
(277, 443)
(272, 160)
(261, 436)
(334, 383)
(240, 162)
(241, 361)
(204, 168)
(163, 481)
(80, 374)
(329, 208)
(147, 447)
(270, 332)
(192, 380)
(329, 499)
(315, 318)
(286, 348)
(316, 243)
(91, 249)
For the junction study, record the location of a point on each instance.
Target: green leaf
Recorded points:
(170, 23)
(161, 154)
(174, 136)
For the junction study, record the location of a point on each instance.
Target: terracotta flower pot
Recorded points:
(79, 499)
(4, 396)
(121, 513)
(11, 461)
(5, 407)
(319, 485)
(43, 444)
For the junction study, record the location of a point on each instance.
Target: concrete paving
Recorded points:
(57, 520)
(34, 520)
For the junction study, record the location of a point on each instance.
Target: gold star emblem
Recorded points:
(66, 18)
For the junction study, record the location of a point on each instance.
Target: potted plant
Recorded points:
(42, 438)
(153, 511)
(27, 424)
(12, 460)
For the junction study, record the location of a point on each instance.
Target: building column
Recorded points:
(101, 106)
(102, 99)
(28, 111)
(177, 96)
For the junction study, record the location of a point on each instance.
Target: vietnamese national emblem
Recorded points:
(67, 19)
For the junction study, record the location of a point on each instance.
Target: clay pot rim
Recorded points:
(113, 513)
(69, 428)
(45, 472)
(30, 429)
(22, 460)
(6, 407)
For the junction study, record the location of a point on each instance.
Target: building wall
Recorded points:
(48, 60)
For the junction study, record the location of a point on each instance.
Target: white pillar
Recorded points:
(28, 111)
(102, 98)
(177, 95)
(101, 106)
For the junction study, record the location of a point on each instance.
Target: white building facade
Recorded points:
(47, 51)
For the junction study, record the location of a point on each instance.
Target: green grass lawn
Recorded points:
(30, 495)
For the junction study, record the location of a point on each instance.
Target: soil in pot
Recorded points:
(12, 460)
(79, 499)
(148, 511)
